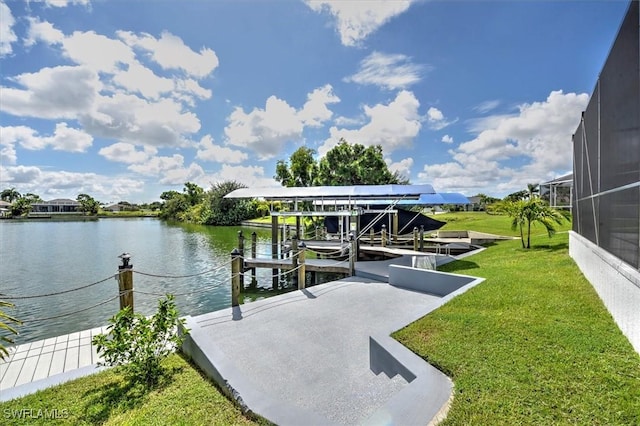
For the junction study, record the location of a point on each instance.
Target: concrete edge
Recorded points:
(427, 280)
(243, 391)
(56, 379)
(426, 384)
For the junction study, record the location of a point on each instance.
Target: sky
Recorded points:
(124, 100)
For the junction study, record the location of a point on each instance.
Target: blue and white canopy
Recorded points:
(353, 192)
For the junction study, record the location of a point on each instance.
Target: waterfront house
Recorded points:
(5, 208)
(59, 206)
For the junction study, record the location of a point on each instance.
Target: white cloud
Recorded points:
(347, 121)
(42, 31)
(447, 139)
(56, 93)
(486, 106)
(127, 153)
(65, 3)
(111, 92)
(170, 52)
(179, 176)
(57, 184)
(532, 145)
(392, 126)
(265, 131)
(437, 120)
(129, 118)
(251, 176)
(156, 166)
(355, 20)
(7, 36)
(64, 138)
(403, 167)
(390, 72)
(315, 112)
(208, 151)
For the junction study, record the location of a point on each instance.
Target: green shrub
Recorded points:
(139, 343)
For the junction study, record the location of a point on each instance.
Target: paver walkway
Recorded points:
(34, 365)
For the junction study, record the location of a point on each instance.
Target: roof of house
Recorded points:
(58, 202)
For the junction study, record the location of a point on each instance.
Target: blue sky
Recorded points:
(126, 99)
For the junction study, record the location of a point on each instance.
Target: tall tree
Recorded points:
(22, 204)
(87, 204)
(533, 189)
(347, 164)
(193, 193)
(301, 170)
(9, 195)
(224, 211)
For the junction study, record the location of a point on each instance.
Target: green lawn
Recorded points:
(184, 397)
(533, 344)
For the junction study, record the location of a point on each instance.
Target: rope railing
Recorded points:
(35, 296)
(104, 302)
(187, 293)
(208, 271)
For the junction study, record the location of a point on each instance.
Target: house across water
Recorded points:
(59, 206)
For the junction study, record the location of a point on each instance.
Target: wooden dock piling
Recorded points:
(236, 268)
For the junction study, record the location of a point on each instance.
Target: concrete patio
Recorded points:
(316, 356)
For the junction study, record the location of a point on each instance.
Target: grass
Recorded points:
(184, 397)
(478, 221)
(533, 344)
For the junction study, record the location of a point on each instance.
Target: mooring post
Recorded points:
(302, 273)
(274, 250)
(241, 250)
(371, 235)
(125, 282)
(421, 237)
(254, 251)
(394, 231)
(353, 253)
(415, 238)
(236, 266)
(384, 235)
(294, 252)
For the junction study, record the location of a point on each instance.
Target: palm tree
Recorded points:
(533, 189)
(536, 210)
(4, 320)
(528, 212)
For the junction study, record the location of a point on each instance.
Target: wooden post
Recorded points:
(254, 250)
(421, 237)
(241, 250)
(352, 255)
(274, 249)
(371, 234)
(415, 238)
(125, 282)
(394, 231)
(302, 273)
(236, 266)
(298, 229)
(294, 252)
(384, 235)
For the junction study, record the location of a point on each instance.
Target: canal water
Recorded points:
(44, 257)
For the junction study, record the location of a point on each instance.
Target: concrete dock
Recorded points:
(323, 355)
